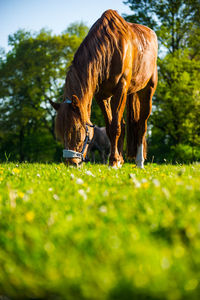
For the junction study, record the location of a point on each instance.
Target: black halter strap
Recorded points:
(87, 139)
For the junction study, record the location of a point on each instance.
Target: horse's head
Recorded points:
(74, 129)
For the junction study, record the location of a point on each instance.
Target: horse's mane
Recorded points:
(91, 63)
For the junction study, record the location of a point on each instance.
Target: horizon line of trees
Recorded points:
(34, 70)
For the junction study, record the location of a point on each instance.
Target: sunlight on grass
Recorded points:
(99, 233)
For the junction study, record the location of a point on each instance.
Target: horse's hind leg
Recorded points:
(145, 98)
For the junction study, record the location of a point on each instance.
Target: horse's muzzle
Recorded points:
(76, 162)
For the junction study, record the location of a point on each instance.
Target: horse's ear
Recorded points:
(55, 105)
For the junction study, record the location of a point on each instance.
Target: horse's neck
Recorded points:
(84, 91)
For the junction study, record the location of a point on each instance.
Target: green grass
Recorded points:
(99, 233)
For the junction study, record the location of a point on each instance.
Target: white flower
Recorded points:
(72, 176)
(83, 194)
(143, 180)
(89, 173)
(137, 184)
(105, 193)
(156, 182)
(50, 189)
(166, 192)
(103, 209)
(132, 176)
(38, 175)
(165, 263)
(79, 181)
(30, 191)
(55, 197)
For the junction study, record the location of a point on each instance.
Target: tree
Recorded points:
(175, 126)
(172, 20)
(31, 73)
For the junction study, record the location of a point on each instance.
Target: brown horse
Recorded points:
(115, 62)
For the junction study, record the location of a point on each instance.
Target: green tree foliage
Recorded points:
(31, 73)
(175, 131)
(176, 118)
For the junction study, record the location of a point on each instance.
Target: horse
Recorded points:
(116, 64)
(101, 143)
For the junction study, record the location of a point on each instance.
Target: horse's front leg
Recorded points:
(119, 102)
(121, 141)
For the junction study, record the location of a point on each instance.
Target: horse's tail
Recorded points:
(133, 116)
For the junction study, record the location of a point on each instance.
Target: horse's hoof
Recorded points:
(116, 164)
(140, 165)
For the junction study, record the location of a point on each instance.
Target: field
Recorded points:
(99, 233)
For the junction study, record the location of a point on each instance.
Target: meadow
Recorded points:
(99, 233)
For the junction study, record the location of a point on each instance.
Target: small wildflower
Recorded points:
(89, 173)
(15, 171)
(50, 189)
(72, 176)
(132, 176)
(105, 193)
(30, 191)
(156, 182)
(69, 218)
(143, 180)
(103, 209)
(166, 193)
(51, 220)
(38, 175)
(145, 185)
(13, 196)
(55, 197)
(21, 194)
(83, 194)
(30, 216)
(79, 181)
(165, 263)
(137, 184)
(188, 187)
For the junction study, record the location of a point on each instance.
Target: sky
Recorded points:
(56, 15)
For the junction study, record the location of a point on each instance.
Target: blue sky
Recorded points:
(51, 14)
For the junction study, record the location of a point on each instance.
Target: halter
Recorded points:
(74, 154)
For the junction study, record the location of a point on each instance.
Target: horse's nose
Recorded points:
(73, 162)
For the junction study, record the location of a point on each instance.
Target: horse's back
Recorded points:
(134, 52)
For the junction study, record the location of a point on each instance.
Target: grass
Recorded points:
(99, 233)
